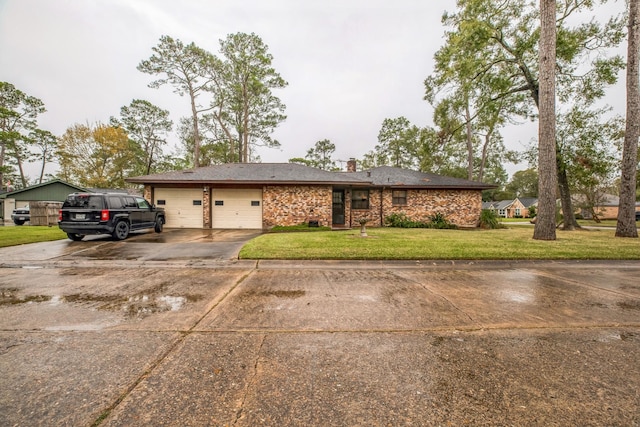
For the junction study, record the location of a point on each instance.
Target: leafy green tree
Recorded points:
(98, 157)
(524, 183)
(589, 145)
(319, 156)
(147, 126)
(244, 107)
(626, 226)
(494, 46)
(398, 142)
(18, 117)
(183, 67)
(45, 143)
(300, 161)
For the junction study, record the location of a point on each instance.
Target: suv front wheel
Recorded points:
(121, 231)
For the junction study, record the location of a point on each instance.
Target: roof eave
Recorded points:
(236, 182)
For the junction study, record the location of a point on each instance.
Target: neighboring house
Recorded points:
(51, 191)
(263, 195)
(516, 208)
(606, 206)
(527, 204)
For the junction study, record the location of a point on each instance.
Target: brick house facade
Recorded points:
(292, 194)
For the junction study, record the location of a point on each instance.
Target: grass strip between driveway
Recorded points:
(515, 242)
(20, 235)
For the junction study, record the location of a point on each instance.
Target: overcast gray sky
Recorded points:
(349, 63)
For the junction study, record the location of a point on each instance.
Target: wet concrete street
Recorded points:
(172, 330)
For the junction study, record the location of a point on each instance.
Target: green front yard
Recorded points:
(514, 242)
(12, 236)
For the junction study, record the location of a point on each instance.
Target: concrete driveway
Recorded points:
(121, 339)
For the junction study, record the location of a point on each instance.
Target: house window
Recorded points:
(399, 197)
(255, 203)
(197, 203)
(219, 202)
(502, 213)
(518, 212)
(162, 202)
(360, 199)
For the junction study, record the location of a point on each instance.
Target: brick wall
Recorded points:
(461, 207)
(296, 204)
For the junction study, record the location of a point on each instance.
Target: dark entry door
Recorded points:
(338, 207)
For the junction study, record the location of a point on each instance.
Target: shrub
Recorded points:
(439, 221)
(401, 220)
(489, 219)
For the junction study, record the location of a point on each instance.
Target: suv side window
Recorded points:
(115, 202)
(142, 203)
(95, 202)
(130, 202)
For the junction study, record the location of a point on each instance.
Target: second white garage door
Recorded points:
(234, 208)
(182, 206)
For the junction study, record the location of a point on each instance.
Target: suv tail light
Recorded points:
(104, 215)
(60, 215)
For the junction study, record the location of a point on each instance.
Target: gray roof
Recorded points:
(500, 204)
(293, 173)
(527, 202)
(251, 173)
(388, 176)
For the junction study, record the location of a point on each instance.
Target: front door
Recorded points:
(338, 207)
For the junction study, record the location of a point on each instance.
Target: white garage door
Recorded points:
(236, 208)
(182, 206)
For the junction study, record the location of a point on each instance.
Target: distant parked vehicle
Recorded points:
(637, 215)
(108, 213)
(21, 215)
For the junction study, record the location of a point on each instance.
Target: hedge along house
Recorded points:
(263, 195)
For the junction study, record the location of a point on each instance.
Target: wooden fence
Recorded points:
(44, 213)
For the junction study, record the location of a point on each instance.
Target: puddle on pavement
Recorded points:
(291, 294)
(139, 305)
(629, 305)
(9, 296)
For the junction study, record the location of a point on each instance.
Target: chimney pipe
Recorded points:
(351, 165)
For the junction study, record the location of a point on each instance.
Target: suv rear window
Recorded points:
(84, 201)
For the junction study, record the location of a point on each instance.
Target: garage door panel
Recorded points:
(183, 206)
(237, 208)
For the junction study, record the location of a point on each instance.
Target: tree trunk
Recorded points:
(568, 217)
(626, 226)
(469, 142)
(485, 150)
(196, 131)
(2, 154)
(545, 228)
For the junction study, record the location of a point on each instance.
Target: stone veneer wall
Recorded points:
(461, 207)
(372, 215)
(146, 193)
(296, 204)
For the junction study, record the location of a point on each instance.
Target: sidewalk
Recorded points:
(278, 343)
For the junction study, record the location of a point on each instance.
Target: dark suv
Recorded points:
(107, 213)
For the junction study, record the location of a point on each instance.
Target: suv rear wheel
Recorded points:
(159, 224)
(75, 236)
(121, 231)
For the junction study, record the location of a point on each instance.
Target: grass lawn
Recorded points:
(515, 242)
(11, 236)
